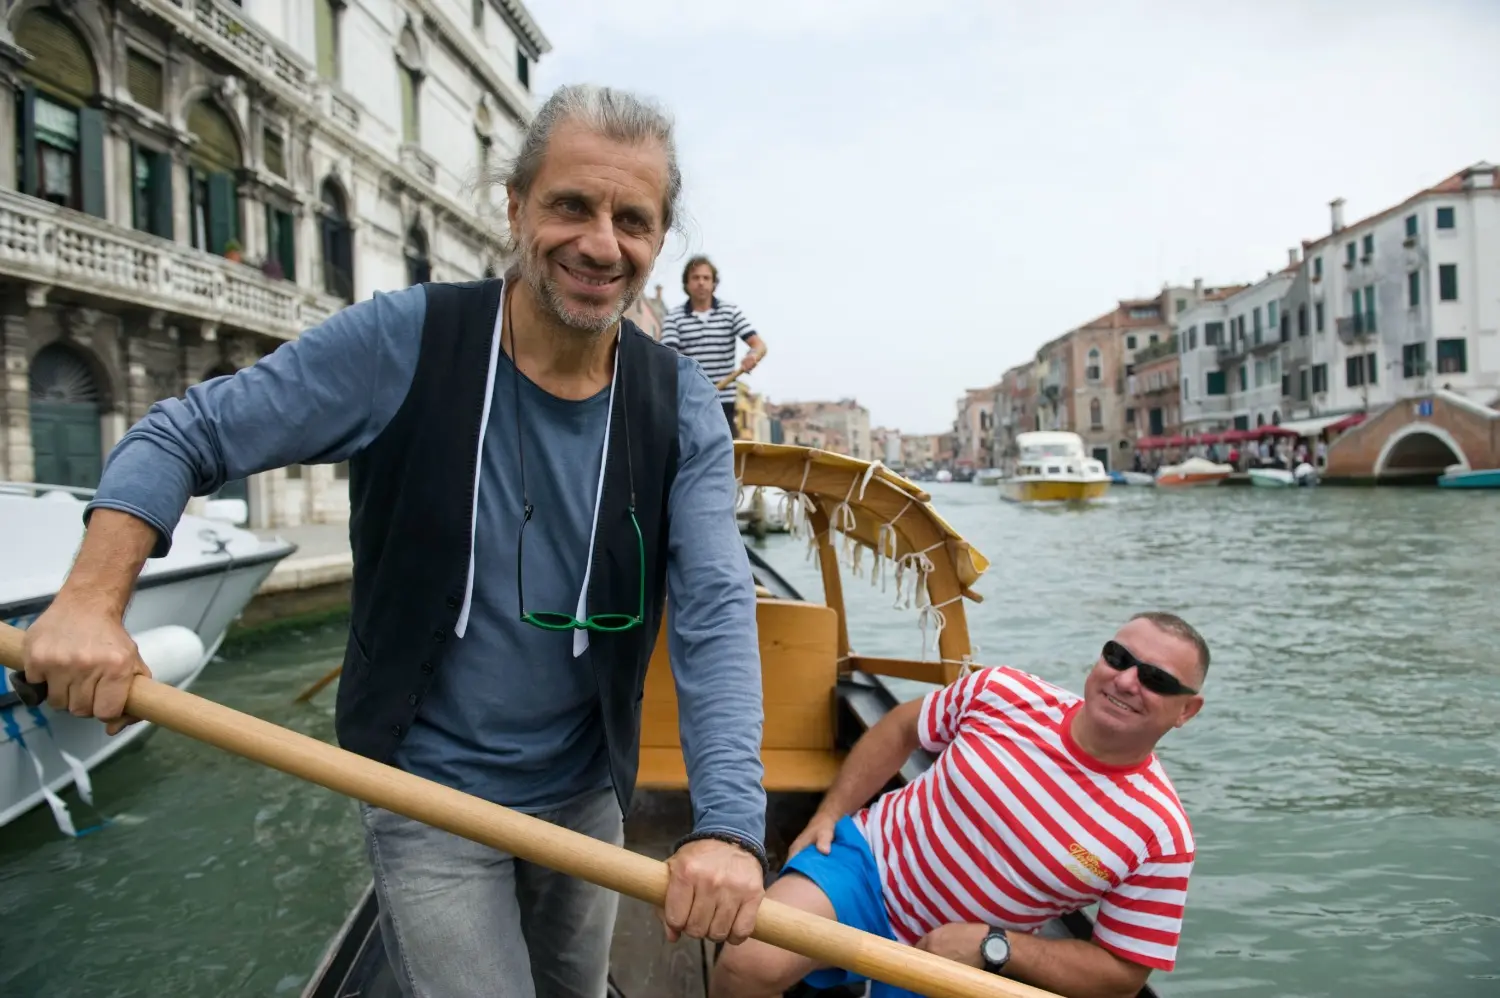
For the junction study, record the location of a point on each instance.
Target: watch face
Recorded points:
(996, 949)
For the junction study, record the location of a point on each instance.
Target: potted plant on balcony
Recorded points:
(232, 250)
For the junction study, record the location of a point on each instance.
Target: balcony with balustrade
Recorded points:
(52, 246)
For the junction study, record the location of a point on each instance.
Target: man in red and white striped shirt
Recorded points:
(1039, 803)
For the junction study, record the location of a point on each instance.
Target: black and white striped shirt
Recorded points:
(708, 337)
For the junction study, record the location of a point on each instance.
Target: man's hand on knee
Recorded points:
(714, 890)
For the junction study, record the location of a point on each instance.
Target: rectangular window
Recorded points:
(1272, 314)
(1213, 334)
(1317, 268)
(1320, 378)
(1302, 385)
(1130, 343)
(1260, 373)
(1243, 377)
(1318, 316)
(1412, 361)
(1369, 245)
(1445, 218)
(1453, 356)
(1371, 368)
(1411, 226)
(1255, 322)
(523, 69)
(1414, 288)
(1302, 319)
(1349, 252)
(1448, 282)
(1354, 371)
(1214, 384)
(1286, 385)
(1369, 308)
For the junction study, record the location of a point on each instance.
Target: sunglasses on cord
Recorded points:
(1153, 677)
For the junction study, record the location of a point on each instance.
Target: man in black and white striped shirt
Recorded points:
(705, 328)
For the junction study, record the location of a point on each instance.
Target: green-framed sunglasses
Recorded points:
(551, 620)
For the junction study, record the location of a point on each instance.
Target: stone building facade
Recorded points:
(187, 184)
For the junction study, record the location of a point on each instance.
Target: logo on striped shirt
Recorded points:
(1088, 861)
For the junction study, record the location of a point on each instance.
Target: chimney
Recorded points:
(1197, 287)
(1291, 256)
(1336, 211)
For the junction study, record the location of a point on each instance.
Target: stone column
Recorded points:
(10, 61)
(16, 460)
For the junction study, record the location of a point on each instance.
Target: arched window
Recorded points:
(1096, 414)
(336, 240)
(409, 72)
(418, 267)
(215, 159)
(1094, 370)
(61, 135)
(66, 438)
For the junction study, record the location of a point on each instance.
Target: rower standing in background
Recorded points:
(705, 328)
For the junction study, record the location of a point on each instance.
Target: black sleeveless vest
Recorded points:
(411, 495)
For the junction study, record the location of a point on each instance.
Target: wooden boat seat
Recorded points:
(799, 670)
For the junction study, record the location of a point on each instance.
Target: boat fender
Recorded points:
(173, 653)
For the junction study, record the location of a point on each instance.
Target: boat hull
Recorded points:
(213, 571)
(1488, 478)
(1272, 478)
(1052, 490)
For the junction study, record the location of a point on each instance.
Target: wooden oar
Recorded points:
(312, 690)
(532, 839)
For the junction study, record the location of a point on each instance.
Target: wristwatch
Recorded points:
(995, 950)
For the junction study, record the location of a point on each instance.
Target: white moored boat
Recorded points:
(1195, 472)
(182, 607)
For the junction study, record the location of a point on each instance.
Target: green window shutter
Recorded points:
(222, 223)
(91, 159)
(161, 196)
(408, 105)
(286, 246)
(323, 28)
(143, 77)
(29, 175)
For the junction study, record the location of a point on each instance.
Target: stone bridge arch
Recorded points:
(1417, 438)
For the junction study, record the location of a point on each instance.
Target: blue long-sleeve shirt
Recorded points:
(512, 715)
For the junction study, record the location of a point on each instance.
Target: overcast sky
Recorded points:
(908, 198)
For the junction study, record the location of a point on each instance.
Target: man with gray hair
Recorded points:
(531, 477)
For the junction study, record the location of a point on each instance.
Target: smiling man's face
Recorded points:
(591, 227)
(1124, 711)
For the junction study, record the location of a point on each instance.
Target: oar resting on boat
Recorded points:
(533, 839)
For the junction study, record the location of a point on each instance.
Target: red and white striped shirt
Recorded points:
(1014, 824)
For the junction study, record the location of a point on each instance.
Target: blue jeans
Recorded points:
(850, 878)
(459, 918)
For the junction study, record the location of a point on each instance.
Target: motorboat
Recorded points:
(1272, 478)
(183, 605)
(1053, 467)
(1131, 478)
(1193, 473)
(1459, 477)
(988, 476)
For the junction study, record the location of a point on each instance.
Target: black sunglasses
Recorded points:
(1153, 677)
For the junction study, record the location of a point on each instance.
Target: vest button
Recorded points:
(439, 635)
(453, 602)
(427, 668)
(412, 699)
(396, 730)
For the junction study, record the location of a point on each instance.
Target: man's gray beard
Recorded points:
(534, 273)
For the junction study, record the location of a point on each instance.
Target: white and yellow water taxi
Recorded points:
(1053, 467)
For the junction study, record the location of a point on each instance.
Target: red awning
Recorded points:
(1353, 419)
(1150, 443)
(1272, 430)
(1234, 436)
(1177, 441)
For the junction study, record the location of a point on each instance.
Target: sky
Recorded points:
(908, 198)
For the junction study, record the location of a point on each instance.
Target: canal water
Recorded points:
(1343, 780)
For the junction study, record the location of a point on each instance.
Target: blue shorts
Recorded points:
(850, 878)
